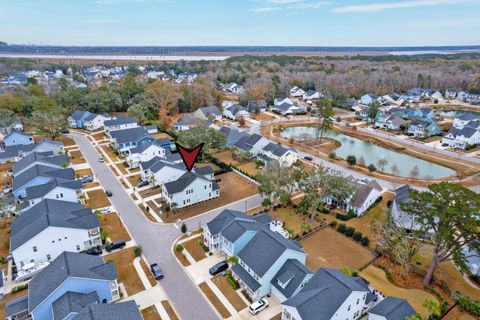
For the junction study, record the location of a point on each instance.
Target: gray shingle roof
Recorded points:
(246, 143)
(249, 281)
(232, 135)
(111, 311)
(237, 228)
(204, 170)
(223, 219)
(291, 273)
(393, 309)
(146, 145)
(41, 157)
(326, 291)
(129, 134)
(402, 194)
(119, 121)
(261, 252)
(68, 264)
(276, 149)
(51, 213)
(78, 115)
(72, 302)
(236, 109)
(41, 190)
(181, 183)
(15, 306)
(212, 110)
(42, 171)
(188, 119)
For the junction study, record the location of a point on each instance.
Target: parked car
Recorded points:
(444, 144)
(65, 131)
(108, 193)
(157, 272)
(308, 158)
(101, 159)
(219, 267)
(348, 124)
(94, 251)
(367, 179)
(258, 306)
(115, 245)
(7, 190)
(143, 183)
(86, 179)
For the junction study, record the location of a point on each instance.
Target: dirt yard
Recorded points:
(195, 250)
(171, 313)
(151, 313)
(97, 199)
(4, 237)
(329, 248)
(250, 168)
(214, 300)
(229, 293)
(233, 187)
(83, 172)
(134, 180)
(112, 223)
(227, 157)
(76, 157)
(150, 192)
(127, 274)
(5, 180)
(293, 221)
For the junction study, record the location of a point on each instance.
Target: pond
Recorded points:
(457, 113)
(372, 153)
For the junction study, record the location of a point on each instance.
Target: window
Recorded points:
(348, 307)
(49, 257)
(65, 238)
(34, 249)
(78, 247)
(61, 195)
(358, 301)
(53, 241)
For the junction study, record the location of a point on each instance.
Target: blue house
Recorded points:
(73, 286)
(126, 139)
(368, 98)
(16, 138)
(76, 119)
(423, 128)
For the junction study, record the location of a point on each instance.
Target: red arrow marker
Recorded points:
(189, 157)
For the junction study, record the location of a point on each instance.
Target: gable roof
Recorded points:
(223, 219)
(144, 146)
(72, 302)
(236, 109)
(326, 291)
(127, 310)
(119, 121)
(292, 273)
(393, 309)
(41, 190)
(15, 132)
(237, 228)
(67, 264)
(261, 252)
(188, 119)
(42, 171)
(362, 190)
(182, 183)
(232, 134)
(246, 143)
(45, 157)
(276, 149)
(15, 306)
(129, 135)
(212, 110)
(79, 115)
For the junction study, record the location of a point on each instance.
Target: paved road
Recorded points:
(157, 239)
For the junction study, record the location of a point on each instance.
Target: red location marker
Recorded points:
(189, 157)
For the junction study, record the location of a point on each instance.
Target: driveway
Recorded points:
(157, 239)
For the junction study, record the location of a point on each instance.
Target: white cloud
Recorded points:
(284, 1)
(102, 21)
(107, 2)
(291, 5)
(266, 9)
(310, 5)
(374, 7)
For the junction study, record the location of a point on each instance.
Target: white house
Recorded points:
(461, 138)
(42, 233)
(451, 93)
(329, 294)
(464, 119)
(252, 144)
(187, 121)
(278, 101)
(189, 189)
(57, 189)
(288, 109)
(163, 172)
(232, 87)
(393, 98)
(120, 123)
(311, 95)
(279, 154)
(390, 122)
(236, 112)
(147, 151)
(96, 121)
(365, 194)
(297, 92)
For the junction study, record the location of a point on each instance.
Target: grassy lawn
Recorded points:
(127, 274)
(76, 157)
(112, 223)
(150, 313)
(83, 172)
(214, 300)
(377, 279)
(233, 187)
(97, 199)
(149, 274)
(195, 250)
(250, 168)
(293, 221)
(171, 313)
(329, 248)
(134, 180)
(229, 293)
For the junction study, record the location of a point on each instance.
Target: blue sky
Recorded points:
(241, 22)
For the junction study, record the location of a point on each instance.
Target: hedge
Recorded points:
(357, 236)
(231, 280)
(342, 227)
(349, 231)
(20, 288)
(345, 217)
(470, 305)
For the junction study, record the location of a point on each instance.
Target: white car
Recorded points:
(258, 306)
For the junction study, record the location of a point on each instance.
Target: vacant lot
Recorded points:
(378, 280)
(214, 300)
(151, 313)
(76, 157)
(328, 248)
(250, 168)
(127, 274)
(195, 250)
(229, 293)
(171, 313)
(227, 157)
(4, 237)
(134, 180)
(293, 221)
(97, 199)
(5, 180)
(232, 188)
(112, 223)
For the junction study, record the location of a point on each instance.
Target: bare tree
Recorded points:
(381, 163)
(395, 170)
(415, 173)
(361, 161)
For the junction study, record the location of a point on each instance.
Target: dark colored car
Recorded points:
(157, 272)
(308, 158)
(87, 179)
(65, 131)
(219, 267)
(115, 245)
(94, 251)
(143, 184)
(108, 193)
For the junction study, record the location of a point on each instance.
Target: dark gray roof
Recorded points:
(181, 183)
(237, 228)
(41, 190)
(292, 273)
(276, 149)
(362, 190)
(402, 194)
(146, 145)
(223, 219)
(393, 309)
(42, 157)
(246, 143)
(42, 171)
(129, 135)
(326, 291)
(119, 121)
(15, 306)
(72, 302)
(262, 218)
(52, 213)
(78, 115)
(68, 264)
(13, 151)
(148, 164)
(465, 131)
(263, 250)
(232, 135)
(249, 281)
(212, 110)
(468, 116)
(236, 109)
(111, 311)
(204, 170)
(187, 119)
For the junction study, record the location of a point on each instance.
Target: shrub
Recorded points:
(203, 245)
(332, 155)
(184, 228)
(372, 168)
(20, 288)
(179, 248)
(351, 160)
(349, 231)
(345, 217)
(467, 304)
(324, 210)
(388, 273)
(246, 295)
(365, 241)
(357, 236)
(231, 280)
(333, 223)
(137, 251)
(232, 260)
(389, 203)
(342, 227)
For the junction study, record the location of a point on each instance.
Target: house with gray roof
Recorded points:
(45, 159)
(17, 152)
(462, 138)
(208, 113)
(364, 195)
(187, 121)
(146, 151)
(236, 112)
(286, 108)
(329, 294)
(120, 123)
(419, 128)
(464, 119)
(173, 159)
(251, 144)
(391, 308)
(59, 189)
(390, 122)
(42, 233)
(125, 139)
(280, 154)
(290, 279)
(73, 286)
(232, 135)
(82, 119)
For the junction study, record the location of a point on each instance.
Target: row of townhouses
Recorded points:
(271, 264)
